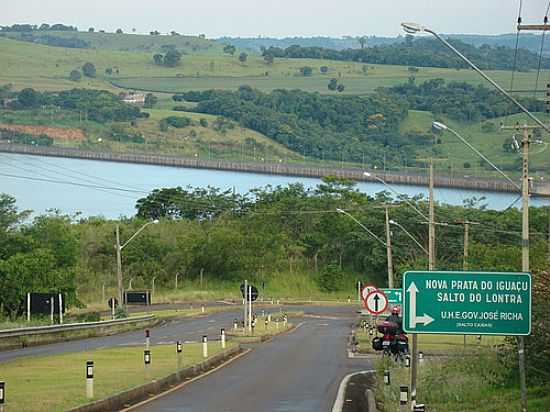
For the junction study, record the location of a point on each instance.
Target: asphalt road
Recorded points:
(185, 329)
(297, 372)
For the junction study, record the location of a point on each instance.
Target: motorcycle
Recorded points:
(392, 343)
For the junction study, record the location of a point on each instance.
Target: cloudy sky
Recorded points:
(277, 18)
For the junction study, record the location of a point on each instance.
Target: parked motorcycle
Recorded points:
(392, 343)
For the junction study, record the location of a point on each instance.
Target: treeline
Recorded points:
(34, 27)
(97, 105)
(422, 52)
(14, 136)
(49, 40)
(326, 127)
(460, 100)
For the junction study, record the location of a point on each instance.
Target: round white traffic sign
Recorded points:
(376, 302)
(366, 290)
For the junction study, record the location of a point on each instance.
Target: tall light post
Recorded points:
(386, 244)
(413, 28)
(119, 248)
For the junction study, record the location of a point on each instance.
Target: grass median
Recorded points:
(58, 383)
(262, 329)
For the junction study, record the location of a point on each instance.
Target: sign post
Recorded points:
(473, 303)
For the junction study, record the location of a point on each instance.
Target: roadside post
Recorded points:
(403, 397)
(179, 351)
(202, 309)
(2, 395)
(235, 324)
(205, 346)
(89, 379)
(147, 339)
(147, 363)
(265, 324)
(60, 309)
(52, 303)
(28, 307)
(222, 333)
(387, 379)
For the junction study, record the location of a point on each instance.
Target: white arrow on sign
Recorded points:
(413, 319)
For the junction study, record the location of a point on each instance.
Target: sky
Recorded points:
(277, 18)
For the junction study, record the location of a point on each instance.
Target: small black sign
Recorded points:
(42, 303)
(137, 298)
(254, 292)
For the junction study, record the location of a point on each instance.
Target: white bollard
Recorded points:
(223, 338)
(147, 363)
(202, 309)
(89, 379)
(179, 351)
(2, 395)
(205, 346)
(403, 395)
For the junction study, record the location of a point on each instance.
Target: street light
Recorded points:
(393, 222)
(407, 201)
(442, 127)
(119, 248)
(412, 28)
(362, 225)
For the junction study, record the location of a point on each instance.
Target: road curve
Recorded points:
(296, 372)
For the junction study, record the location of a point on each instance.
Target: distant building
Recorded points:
(132, 97)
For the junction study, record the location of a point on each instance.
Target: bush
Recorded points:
(89, 70)
(323, 69)
(467, 165)
(203, 122)
(178, 121)
(306, 71)
(88, 317)
(331, 279)
(75, 76)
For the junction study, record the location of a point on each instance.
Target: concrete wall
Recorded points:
(472, 183)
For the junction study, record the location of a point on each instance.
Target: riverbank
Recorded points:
(539, 189)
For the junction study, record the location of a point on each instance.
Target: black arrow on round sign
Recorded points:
(376, 299)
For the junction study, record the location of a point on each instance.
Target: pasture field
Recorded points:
(47, 68)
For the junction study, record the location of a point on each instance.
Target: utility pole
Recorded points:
(119, 266)
(389, 250)
(524, 248)
(431, 266)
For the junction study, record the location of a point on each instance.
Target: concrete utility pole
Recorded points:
(524, 247)
(388, 249)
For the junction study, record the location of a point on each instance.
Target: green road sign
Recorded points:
(475, 303)
(395, 296)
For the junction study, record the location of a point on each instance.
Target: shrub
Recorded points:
(331, 278)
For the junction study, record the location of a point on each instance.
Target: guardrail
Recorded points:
(39, 330)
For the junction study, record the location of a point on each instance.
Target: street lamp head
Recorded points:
(393, 222)
(412, 28)
(155, 222)
(367, 174)
(339, 210)
(439, 126)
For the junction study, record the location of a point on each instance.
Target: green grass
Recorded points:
(32, 65)
(57, 383)
(460, 384)
(261, 330)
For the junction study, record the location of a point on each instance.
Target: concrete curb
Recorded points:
(340, 397)
(140, 393)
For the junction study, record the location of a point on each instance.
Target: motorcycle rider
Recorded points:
(395, 318)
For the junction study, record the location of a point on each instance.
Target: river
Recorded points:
(97, 188)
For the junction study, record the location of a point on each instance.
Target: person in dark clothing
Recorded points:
(395, 318)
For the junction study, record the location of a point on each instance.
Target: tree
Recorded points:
(306, 71)
(89, 70)
(362, 41)
(109, 71)
(243, 57)
(29, 98)
(91, 30)
(333, 84)
(229, 49)
(172, 58)
(119, 31)
(75, 76)
(268, 58)
(150, 100)
(340, 88)
(323, 69)
(158, 59)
